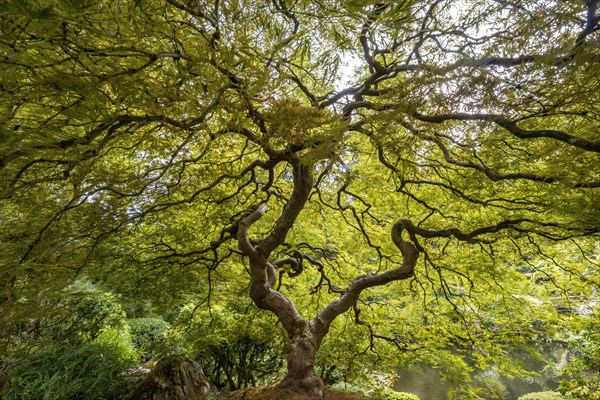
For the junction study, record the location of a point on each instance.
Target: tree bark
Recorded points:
(300, 357)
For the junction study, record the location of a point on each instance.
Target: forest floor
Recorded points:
(275, 393)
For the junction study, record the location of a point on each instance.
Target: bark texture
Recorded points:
(300, 357)
(173, 378)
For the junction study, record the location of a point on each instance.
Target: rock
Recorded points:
(173, 378)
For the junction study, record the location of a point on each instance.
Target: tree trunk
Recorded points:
(306, 336)
(301, 374)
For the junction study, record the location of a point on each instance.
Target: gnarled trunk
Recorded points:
(306, 336)
(301, 374)
(304, 339)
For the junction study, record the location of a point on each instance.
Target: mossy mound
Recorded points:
(549, 395)
(276, 393)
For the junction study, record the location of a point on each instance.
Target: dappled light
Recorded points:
(285, 197)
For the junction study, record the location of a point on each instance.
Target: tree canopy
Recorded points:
(307, 152)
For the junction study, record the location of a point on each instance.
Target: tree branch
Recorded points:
(242, 233)
(303, 182)
(337, 307)
(512, 127)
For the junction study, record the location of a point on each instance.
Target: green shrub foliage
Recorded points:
(389, 394)
(147, 335)
(94, 311)
(236, 347)
(586, 346)
(75, 345)
(549, 395)
(67, 316)
(87, 371)
(581, 387)
(240, 362)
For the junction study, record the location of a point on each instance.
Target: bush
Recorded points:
(70, 372)
(389, 394)
(94, 311)
(402, 396)
(240, 363)
(586, 346)
(542, 396)
(66, 316)
(147, 335)
(581, 388)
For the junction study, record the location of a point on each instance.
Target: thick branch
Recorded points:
(410, 254)
(242, 233)
(512, 127)
(469, 237)
(514, 224)
(261, 273)
(366, 30)
(303, 182)
(261, 269)
(591, 23)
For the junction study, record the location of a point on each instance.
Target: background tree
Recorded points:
(237, 347)
(166, 147)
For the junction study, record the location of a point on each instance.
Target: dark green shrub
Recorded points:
(94, 311)
(236, 347)
(90, 371)
(147, 335)
(67, 316)
(240, 362)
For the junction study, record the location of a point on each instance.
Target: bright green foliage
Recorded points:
(95, 312)
(585, 367)
(586, 342)
(542, 396)
(70, 316)
(137, 136)
(343, 358)
(93, 370)
(581, 388)
(71, 347)
(388, 394)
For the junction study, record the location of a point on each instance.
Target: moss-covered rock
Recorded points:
(174, 378)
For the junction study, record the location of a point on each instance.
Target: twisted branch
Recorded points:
(410, 254)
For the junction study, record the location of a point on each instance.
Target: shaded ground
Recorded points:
(273, 393)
